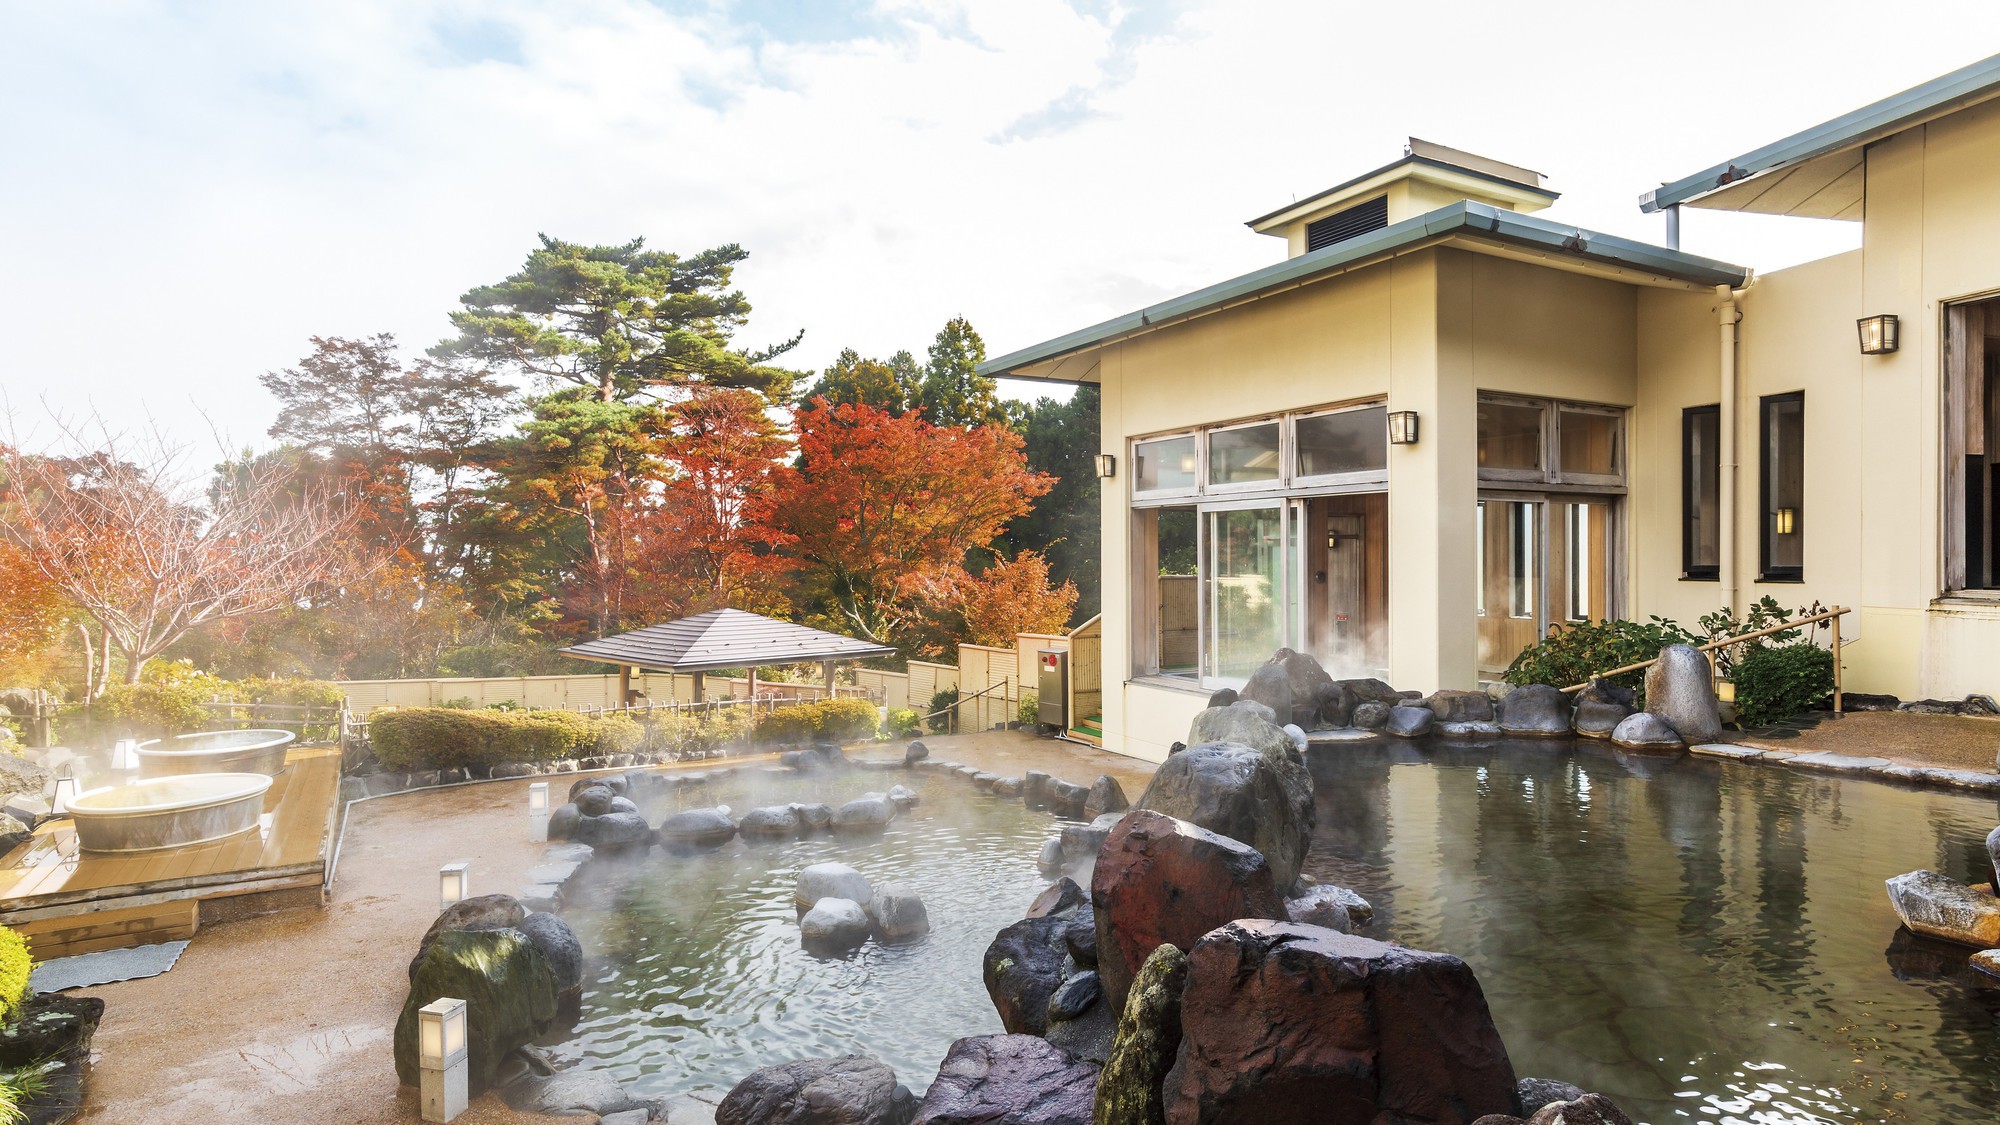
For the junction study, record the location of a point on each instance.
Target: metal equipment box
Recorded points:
(1052, 688)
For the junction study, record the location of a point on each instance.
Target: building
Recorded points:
(1444, 422)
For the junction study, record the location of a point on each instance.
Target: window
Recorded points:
(1972, 447)
(1701, 493)
(1782, 424)
(1164, 466)
(1355, 440)
(1589, 444)
(1165, 547)
(1510, 438)
(1540, 440)
(1244, 455)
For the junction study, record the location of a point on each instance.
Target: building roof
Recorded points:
(1508, 180)
(1817, 172)
(724, 638)
(1476, 225)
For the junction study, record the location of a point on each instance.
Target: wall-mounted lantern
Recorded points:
(1107, 465)
(1784, 520)
(1402, 427)
(1879, 334)
(441, 1059)
(451, 885)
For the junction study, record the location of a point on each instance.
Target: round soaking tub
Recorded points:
(216, 751)
(168, 812)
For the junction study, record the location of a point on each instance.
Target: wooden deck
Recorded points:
(67, 901)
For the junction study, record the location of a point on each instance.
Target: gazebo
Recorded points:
(722, 638)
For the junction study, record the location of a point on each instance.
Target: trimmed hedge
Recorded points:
(437, 738)
(1781, 681)
(832, 720)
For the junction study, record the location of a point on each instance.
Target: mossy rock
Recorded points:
(1130, 1089)
(508, 989)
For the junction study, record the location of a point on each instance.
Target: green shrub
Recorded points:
(437, 738)
(1781, 681)
(902, 722)
(15, 968)
(1573, 653)
(154, 710)
(944, 711)
(833, 720)
(691, 733)
(1030, 710)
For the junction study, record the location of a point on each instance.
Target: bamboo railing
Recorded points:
(1832, 615)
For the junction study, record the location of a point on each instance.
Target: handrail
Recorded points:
(1833, 614)
(962, 700)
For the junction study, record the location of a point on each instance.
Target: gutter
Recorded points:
(1728, 313)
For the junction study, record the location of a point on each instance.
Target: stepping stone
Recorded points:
(1727, 750)
(1839, 763)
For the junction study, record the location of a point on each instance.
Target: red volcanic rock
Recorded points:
(1286, 1024)
(1162, 881)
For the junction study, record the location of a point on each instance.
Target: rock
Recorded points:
(1034, 787)
(1262, 800)
(982, 781)
(1106, 796)
(772, 821)
(1590, 1109)
(834, 925)
(1320, 906)
(849, 1090)
(1538, 1092)
(19, 775)
(1080, 938)
(1369, 716)
(1534, 711)
(563, 821)
(1143, 1049)
(1409, 722)
(916, 752)
(697, 828)
(1598, 718)
(50, 1025)
(1283, 1024)
(509, 991)
(1242, 724)
(1223, 697)
(1993, 856)
(1681, 691)
(1644, 730)
(1461, 706)
(829, 880)
(1468, 730)
(1009, 1080)
(815, 816)
(1087, 1034)
(1065, 798)
(1601, 690)
(481, 912)
(616, 830)
(1062, 897)
(1084, 841)
(1941, 907)
(864, 814)
(1022, 969)
(1335, 706)
(558, 945)
(1008, 788)
(1297, 734)
(1308, 683)
(1365, 690)
(1270, 686)
(903, 797)
(573, 1093)
(594, 800)
(1074, 995)
(1986, 961)
(1163, 881)
(1050, 860)
(618, 783)
(898, 913)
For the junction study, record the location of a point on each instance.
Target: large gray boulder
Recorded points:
(1644, 730)
(1259, 798)
(829, 880)
(696, 828)
(1409, 722)
(1993, 857)
(1680, 689)
(864, 814)
(1243, 723)
(574, 1093)
(559, 946)
(1009, 1080)
(834, 925)
(509, 992)
(1534, 711)
(481, 912)
(1451, 706)
(1270, 686)
(849, 1090)
(772, 822)
(1942, 907)
(898, 913)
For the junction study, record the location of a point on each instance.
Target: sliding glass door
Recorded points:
(1243, 579)
(1542, 559)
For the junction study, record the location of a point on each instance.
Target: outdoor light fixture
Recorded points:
(1782, 520)
(538, 811)
(1879, 333)
(451, 885)
(441, 1058)
(125, 754)
(1403, 427)
(1107, 465)
(65, 793)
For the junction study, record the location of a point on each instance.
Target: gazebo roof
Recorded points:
(724, 638)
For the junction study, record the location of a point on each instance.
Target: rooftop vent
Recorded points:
(1343, 225)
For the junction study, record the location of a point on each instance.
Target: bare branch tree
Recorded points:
(133, 534)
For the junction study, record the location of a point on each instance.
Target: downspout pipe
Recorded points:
(1728, 313)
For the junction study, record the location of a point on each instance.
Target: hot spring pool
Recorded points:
(1697, 939)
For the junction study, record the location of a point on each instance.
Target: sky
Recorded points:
(192, 190)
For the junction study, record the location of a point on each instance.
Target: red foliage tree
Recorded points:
(882, 509)
(1013, 597)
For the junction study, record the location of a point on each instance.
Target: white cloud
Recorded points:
(195, 190)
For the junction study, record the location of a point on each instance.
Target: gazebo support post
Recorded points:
(753, 704)
(624, 686)
(827, 667)
(697, 686)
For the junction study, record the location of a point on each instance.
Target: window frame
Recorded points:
(1200, 465)
(1690, 503)
(1558, 474)
(1552, 473)
(1299, 479)
(1765, 571)
(1282, 480)
(1541, 475)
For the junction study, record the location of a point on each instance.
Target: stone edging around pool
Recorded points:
(1828, 762)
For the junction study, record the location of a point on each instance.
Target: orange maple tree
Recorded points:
(880, 512)
(1013, 597)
